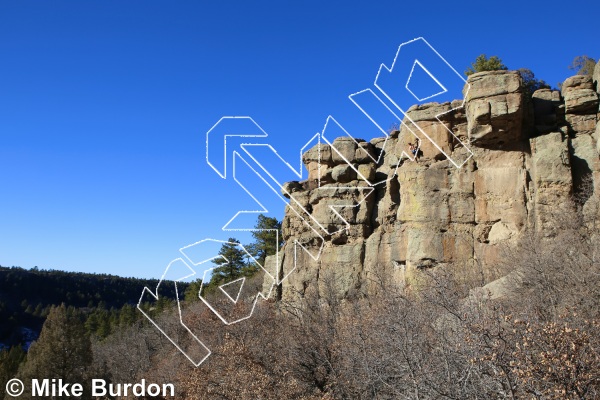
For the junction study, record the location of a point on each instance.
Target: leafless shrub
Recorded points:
(436, 339)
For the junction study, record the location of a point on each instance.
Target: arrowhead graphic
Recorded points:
(233, 289)
(201, 253)
(216, 139)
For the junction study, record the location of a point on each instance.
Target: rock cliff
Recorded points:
(366, 206)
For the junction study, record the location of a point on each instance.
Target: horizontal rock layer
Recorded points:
(367, 207)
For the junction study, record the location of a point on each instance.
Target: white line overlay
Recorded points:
(247, 157)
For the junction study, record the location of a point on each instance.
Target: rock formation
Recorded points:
(528, 156)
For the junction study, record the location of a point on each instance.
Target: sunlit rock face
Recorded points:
(366, 208)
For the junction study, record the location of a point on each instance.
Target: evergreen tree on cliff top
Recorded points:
(494, 63)
(483, 63)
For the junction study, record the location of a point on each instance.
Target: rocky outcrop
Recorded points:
(579, 94)
(366, 207)
(597, 83)
(494, 108)
(596, 77)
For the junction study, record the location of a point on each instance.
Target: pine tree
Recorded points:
(230, 265)
(267, 238)
(483, 63)
(127, 315)
(9, 365)
(92, 323)
(63, 350)
(104, 328)
(192, 291)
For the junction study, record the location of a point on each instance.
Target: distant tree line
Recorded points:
(26, 296)
(440, 336)
(83, 319)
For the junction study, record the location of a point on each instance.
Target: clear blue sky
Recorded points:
(104, 105)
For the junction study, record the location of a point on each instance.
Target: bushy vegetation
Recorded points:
(494, 63)
(534, 333)
(238, 261)
(67, 308)
(63, 350)
(91, 327)
(483, 63)
(26, 297)
(583, 65)
(530, 83)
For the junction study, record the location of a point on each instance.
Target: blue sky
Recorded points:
(104, 105)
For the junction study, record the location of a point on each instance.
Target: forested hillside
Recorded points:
(447, 283)
(26, 297)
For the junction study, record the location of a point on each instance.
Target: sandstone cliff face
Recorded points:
(523, 158)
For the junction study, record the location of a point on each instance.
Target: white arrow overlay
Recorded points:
(258, 168)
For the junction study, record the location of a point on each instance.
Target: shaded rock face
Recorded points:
(549, 110)
(366, 207)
